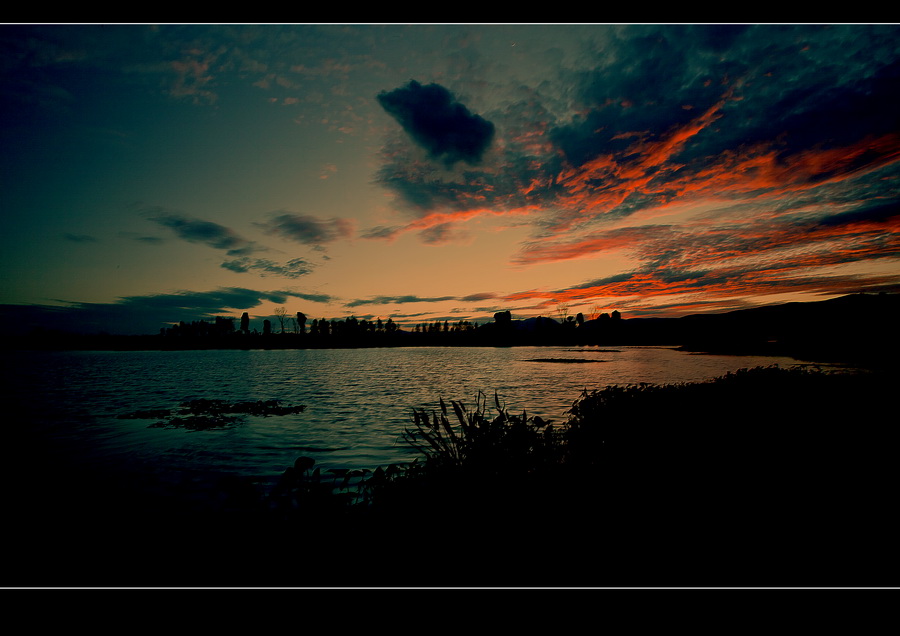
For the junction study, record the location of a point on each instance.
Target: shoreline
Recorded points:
(798, 453)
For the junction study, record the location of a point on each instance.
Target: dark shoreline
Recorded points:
(772, 478)
(855, 329)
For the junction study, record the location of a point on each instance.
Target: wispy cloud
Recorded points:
(308, 229)
(193, 78)
(207, 232)
(758, 257)
(398, 300)
(241, 249)
(294, 268)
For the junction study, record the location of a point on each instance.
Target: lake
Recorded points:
(357, 401)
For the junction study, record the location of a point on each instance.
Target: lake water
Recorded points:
(357, 401)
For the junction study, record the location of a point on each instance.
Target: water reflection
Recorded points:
(357, 400)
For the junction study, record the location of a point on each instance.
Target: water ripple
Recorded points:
(358, 401)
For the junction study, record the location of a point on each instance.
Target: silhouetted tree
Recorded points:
(224, 326)
(281, 315)
(245, 322)
(301, 321)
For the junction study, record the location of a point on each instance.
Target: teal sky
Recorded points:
(158, 173)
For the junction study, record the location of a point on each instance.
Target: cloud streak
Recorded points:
(398, 300)
(208, 233)
(294, 268)
(758, 257)
(307, 229)
(223, 238)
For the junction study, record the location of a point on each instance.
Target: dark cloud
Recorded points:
(294, 268)
(433, 117)
(388, 300)
(608, 280)
(874, 214)
(443, 233)
(410, 298)
(239, 265)
(316, 298)
(479, 297)
(382, 232)
(142, 314)
(224, 238)
(423, 190)
(206, 232)
(309, 230)
(794, 86)
(150, 240)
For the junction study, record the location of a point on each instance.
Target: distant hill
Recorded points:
(840, 308)
(857, 326)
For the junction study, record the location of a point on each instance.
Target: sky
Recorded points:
(153, 174)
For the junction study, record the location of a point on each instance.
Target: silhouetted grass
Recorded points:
(794, 438)
(800, 443)
(759, 477)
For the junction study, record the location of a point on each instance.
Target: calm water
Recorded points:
(357, 401)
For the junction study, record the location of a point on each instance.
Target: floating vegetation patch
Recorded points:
(203, 414)
(594, 350)
(564, 360)
(199, 422)
(150, 414)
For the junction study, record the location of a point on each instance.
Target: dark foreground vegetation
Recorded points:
(766, 476)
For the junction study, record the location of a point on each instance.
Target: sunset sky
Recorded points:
(159, 173)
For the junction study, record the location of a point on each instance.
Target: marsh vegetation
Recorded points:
(793, 444)
(763, 476)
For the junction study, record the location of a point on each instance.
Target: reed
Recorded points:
(483, 441)
(750, 439)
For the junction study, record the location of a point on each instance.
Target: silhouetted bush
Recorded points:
(802, 444)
